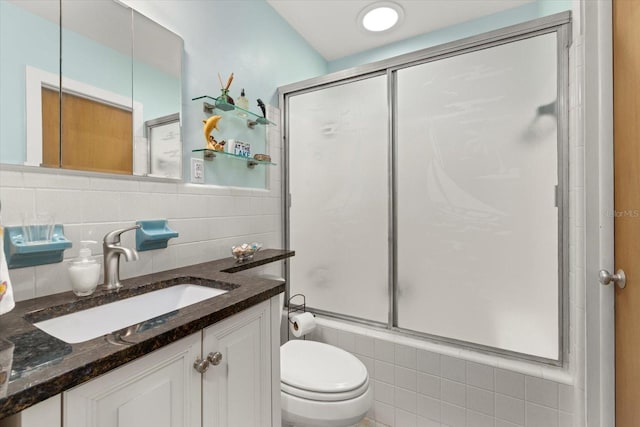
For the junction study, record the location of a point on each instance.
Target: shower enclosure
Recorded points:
(428, 194)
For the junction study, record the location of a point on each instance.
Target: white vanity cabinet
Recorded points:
(237, 391)
(163, 389)
(159, 389)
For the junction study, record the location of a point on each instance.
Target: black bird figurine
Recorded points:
(262, 120)
(261, 105)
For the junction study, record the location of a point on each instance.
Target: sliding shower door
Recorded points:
(429, 192)
(339, 185)
(477, 200)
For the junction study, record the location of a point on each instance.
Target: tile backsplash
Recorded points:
(209, 219)
(419, 388)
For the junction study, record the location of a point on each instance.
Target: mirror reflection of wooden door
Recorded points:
(626, 99)
(95, 136)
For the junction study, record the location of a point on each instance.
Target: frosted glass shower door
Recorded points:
(477, 222)
(338, 180)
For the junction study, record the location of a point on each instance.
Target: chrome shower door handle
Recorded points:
(619, 278)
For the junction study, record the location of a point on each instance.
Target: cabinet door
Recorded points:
(237, 392)
(46, 413)
(161, 389)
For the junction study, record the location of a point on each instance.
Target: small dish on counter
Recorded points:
(245, 251)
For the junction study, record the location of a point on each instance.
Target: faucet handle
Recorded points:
(113, 237)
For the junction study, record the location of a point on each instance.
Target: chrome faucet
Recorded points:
(112, 250)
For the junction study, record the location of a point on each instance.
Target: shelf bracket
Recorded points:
(208, 108)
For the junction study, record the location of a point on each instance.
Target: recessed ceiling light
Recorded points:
(380, 16)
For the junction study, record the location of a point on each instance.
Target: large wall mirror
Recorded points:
(92, 86)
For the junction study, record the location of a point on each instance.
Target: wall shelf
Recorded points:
(211, 103)
(209, 155)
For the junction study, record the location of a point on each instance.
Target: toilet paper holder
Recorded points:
(292, 309)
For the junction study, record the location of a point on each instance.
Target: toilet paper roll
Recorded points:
(301, 324)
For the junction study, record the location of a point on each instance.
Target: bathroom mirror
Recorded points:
(119, 72)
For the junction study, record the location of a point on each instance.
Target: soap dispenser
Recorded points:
(84, 271)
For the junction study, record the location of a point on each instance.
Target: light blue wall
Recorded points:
(245, 37)
(455, 32)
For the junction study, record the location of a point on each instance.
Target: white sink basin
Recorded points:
(104, 319)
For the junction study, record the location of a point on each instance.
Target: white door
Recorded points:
(237, 391)
(158, 390)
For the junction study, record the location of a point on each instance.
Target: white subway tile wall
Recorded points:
(209, 219)
(414, 387)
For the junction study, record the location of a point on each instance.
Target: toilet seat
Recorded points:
(321, 372)
(325, 397)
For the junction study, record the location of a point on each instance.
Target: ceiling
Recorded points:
(331, 27)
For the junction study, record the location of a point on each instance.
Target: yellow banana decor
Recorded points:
(209, 125)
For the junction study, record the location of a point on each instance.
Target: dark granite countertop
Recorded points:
(44, 366)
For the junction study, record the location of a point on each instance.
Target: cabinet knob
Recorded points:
(214, 358)
(201, 365)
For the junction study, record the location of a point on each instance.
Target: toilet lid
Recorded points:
(320, 368)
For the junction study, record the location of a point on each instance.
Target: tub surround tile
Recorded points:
(405, 400)
(453, 416)
(365, 345)
(565, 398)
(481, 376)
(444, 390)
(509, 409)
(428, 407)
(405, 419)
(510, 383)
(477, 419)
(480, 400)
(80, 362)
(426, 422)
(384, 350)
(384, 372)
(405, 356)
(502, 423)
(540, 416)
(541, 392)
(384, 393)
(405, 378)
(453, 368)
(428, 385)
(385, 413)
(453, 392)
(347, 341)
(428, 362)
(565, 419)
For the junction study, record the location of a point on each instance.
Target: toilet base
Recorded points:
(312, 413)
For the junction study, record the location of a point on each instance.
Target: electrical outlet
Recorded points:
(197, 171)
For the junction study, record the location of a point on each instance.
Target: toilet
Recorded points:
(322, 386)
